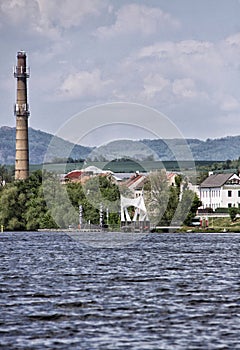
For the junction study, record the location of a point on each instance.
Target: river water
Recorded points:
(160, 291)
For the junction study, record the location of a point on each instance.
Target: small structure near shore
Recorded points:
(139, 222)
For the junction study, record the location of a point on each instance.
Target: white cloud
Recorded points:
(234, 40)
(173, 71)
(227, 123)
(193, 71)
(140, 19)
(149, 57)
(229, 103)
(194, 68)
(230, 50)
(184, 88)
(49, 18)
(84, 84)
(188, 58)
(18, 11)
(68, 13)
(154, 83)
(185, 47)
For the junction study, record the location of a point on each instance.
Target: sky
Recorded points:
(180, 58)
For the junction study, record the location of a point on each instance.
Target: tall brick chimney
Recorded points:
(21, 73)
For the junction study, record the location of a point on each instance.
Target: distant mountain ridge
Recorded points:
(171, 149)
(220, 149)
(40, 144)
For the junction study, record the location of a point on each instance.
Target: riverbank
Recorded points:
(216, 224)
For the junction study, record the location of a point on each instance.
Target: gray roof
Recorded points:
(216, 180)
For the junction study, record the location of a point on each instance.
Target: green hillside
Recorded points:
(210, 150)
(40, 144)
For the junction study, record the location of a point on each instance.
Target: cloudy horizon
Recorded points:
(180, 58)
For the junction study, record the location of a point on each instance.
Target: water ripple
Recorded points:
(163, 291)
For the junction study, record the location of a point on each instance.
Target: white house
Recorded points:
(135, 183)
(220, 191)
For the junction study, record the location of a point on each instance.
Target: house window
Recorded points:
(229, 193)
(229, 205)
(238, 193)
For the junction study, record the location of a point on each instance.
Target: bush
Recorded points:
(222, 210)
(233, 211)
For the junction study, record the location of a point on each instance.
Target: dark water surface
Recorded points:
(165, 291)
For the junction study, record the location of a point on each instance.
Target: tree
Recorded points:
(5, 174)
(100, 190)
(171, 206)
(233, 211)
(58, 201)
(228, 163)
(188, 207)
(11, 208)
(37, 214)
(157, 193)
(167, 204)
(23, 205)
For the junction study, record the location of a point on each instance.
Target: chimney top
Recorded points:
(21, 53)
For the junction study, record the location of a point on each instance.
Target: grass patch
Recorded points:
(216, 225)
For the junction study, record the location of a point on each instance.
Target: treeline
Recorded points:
(169, 205)
(59, 160)
(227, 165)
(22, 205)
(42, 202)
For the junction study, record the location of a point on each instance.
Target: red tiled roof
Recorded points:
(74, 174)
(135, 181)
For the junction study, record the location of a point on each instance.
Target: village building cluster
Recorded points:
(133, 181)
(216, 191)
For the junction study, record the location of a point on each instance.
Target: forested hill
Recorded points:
(171, 149)
(40, 143)
(212, 149)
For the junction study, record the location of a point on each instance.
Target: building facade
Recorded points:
(220, 191)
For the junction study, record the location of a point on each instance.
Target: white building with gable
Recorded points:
(220, 191)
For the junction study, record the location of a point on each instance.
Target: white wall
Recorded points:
(211, 197)
(234, 199)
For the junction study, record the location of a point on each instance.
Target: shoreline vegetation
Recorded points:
(23, 206)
